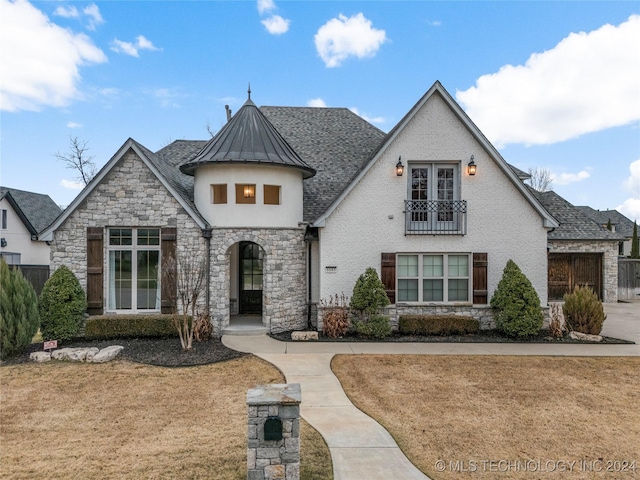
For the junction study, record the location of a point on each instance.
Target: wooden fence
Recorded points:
(628, 279)
(36, 274)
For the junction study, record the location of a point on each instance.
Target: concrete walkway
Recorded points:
(360, 448)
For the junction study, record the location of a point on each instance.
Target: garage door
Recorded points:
(566, 270)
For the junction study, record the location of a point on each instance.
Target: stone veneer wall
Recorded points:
(129, 196)
(284, 297)
(609, 252)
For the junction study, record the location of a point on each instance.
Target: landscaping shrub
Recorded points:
(437, 325)
(335, 319)
(19, 318)
(62, 305)
(122, 326)
(517, 305)
(583, 311)
(369, 295)
(375, 326)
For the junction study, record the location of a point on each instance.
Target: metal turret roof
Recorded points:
(248, 138)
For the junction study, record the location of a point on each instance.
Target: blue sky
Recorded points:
(553, 85)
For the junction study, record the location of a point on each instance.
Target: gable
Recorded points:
(35, 210)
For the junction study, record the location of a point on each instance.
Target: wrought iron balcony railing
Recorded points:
(435, 217)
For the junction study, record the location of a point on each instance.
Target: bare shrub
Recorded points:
(556, 322)
(202, 327)
(335, 318)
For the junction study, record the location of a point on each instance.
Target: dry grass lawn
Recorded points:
(503, 409)
(126, 420)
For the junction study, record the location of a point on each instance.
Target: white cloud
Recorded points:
(66, 12)
(631, 206)
(266, 6)
(586, 83)
(344, 37)
(367, 117)
(567, 178)
(74, 125)
(167, 97)
(71, 184)
(276, 25)
(317, 102)
(133, 49)
(42, 66)
(95, 18)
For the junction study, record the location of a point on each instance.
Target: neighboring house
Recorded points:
(287, 206)
(581, 251)
(619, 224)
(22, 216)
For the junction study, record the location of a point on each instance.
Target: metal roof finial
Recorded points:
(249, 91)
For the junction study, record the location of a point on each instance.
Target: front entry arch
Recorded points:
(250, 269)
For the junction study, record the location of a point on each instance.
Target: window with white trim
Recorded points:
(133, 270)
(439, 277)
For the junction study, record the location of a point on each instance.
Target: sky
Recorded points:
(553, 85)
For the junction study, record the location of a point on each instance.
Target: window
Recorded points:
(433, 278)
(134, 269)
(245, 193)
(272, 194)
(219, 193)
(434, 204)
(3, 225)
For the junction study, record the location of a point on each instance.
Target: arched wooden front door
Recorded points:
(251, 265)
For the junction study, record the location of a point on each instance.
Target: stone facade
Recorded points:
(609, 251)
(284, 298)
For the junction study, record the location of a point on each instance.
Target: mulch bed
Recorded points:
(484, 336)
(165, 352)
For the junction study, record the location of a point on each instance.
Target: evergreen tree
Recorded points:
(62, 305)
(19, 319)
(635, 243)
(609, 226)
(369, 295)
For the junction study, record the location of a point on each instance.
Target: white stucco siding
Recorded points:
(18, 238)
(288, 214)
(370, 219)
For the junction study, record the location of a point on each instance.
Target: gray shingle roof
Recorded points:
(623, 225)
(36, 210)
(574, 225)
(249, 138)
(334, 141)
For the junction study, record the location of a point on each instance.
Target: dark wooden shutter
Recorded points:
(95, 271)
(388, 275)
(480, 293)
(168, 237)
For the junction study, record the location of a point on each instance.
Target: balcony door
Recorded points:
(433, 190)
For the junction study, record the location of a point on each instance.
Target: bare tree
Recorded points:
(188, 275)
(79, 160)
(540, 179)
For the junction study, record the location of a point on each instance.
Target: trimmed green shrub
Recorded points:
(517, 305)
(369, 296)
(123, 326)
(583, 311)
(19, 319)
(437, 325)
(375, 326)
(62, 305)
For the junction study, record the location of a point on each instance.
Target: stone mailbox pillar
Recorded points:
(273, 451)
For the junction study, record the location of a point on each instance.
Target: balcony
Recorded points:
(435, 217)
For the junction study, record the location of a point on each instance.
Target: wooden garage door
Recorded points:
(566, 270)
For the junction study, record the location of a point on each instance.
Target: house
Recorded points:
(287, 206)
(581, 251)
(22, 216)
(619, 224)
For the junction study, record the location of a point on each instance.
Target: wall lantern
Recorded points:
(399, 166)
(249, 191)
(471, 167)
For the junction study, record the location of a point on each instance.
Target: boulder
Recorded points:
(585, 337)
(304, 335)
(107, 354)
(75, 354)
(40, 357)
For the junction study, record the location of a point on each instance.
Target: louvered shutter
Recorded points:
(168, 237)
(95, 271)
(480, 293)
(388, 275)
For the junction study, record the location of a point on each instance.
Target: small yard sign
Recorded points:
(50, 345)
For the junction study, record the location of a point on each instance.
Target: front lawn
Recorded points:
(128, 420)
(494, 417)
